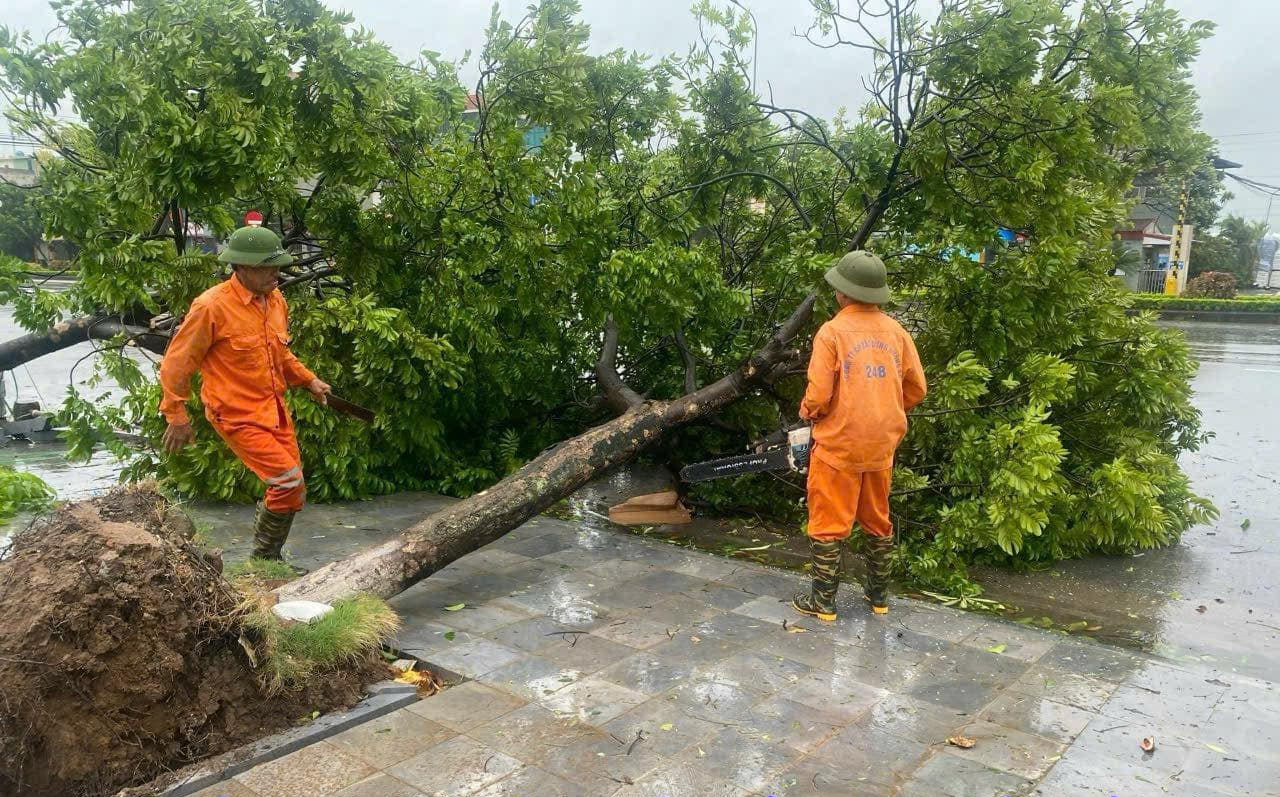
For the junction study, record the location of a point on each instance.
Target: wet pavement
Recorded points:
(595, 662)
(579, 638)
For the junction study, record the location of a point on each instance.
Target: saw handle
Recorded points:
(799, 441)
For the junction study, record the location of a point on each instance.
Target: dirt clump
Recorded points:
(121, 656)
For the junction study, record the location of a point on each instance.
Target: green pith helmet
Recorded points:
(860, 275)
(254, 246)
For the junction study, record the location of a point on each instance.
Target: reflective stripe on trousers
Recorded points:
(272, 455)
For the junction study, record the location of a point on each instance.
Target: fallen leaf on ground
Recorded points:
(695, 639)
(1244, 526)
(999, 648)
(1215, 748)
(453, 607)
(963, 742)
(1202, 608)
(1078, 625)
(450, 635)
(797, 629)
(411, 677)
(1148, 743)
(666, 726)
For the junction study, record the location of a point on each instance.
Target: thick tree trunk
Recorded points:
(393, 566)
(68, 333)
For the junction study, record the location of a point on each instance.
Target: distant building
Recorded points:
(533, 134)
(1148, 233)
(1267, 270)
(19, 168)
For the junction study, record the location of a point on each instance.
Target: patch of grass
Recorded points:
(289, 653)
(203, 529)
(261, 569)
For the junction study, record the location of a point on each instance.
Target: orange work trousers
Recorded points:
(837, 499)
(272, 455)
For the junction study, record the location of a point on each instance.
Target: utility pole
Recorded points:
(1171, 279)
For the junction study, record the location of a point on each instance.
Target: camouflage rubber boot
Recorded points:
(270, 530)
(878, 565)
(827, 562)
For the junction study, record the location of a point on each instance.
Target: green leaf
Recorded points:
(997, 648)
(450, 635)
(454, 607)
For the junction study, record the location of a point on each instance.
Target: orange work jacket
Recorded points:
(240, 345)
(864, 374)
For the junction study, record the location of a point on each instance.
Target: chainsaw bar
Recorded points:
(772, 459)
(792, 456)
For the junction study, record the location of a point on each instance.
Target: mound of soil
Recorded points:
(120, 653)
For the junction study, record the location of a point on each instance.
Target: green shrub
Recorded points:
(1241, 304)
(1213, 285)
(21, 492)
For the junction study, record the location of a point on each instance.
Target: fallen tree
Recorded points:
(462, 275)
(66, 334)
(388, 569)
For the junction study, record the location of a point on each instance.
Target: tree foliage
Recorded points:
(1233, 249)
(22, 492)
(20, 226)
(458, 280)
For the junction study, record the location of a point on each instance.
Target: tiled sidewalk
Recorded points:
(606, 664)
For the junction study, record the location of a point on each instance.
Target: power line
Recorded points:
(1242, 135)
(1263, 188)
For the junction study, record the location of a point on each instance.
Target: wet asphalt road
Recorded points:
(1213, 597)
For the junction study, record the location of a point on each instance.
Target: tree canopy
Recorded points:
(1233, 248)
(462, 280)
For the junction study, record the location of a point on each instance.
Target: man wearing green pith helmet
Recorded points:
(236, 336)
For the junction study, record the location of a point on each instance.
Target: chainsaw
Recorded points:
(785, 450)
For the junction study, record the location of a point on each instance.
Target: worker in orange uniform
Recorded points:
(864, 375)
(236, 335)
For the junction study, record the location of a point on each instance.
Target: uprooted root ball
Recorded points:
(121, 653)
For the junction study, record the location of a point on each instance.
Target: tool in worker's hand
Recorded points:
(792, 455)
(346, 407)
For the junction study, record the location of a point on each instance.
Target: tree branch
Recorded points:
(617, 394)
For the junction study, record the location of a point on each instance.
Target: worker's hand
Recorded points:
(177, 435)
(319, 390)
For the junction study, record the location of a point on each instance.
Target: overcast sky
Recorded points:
(1237, 75)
